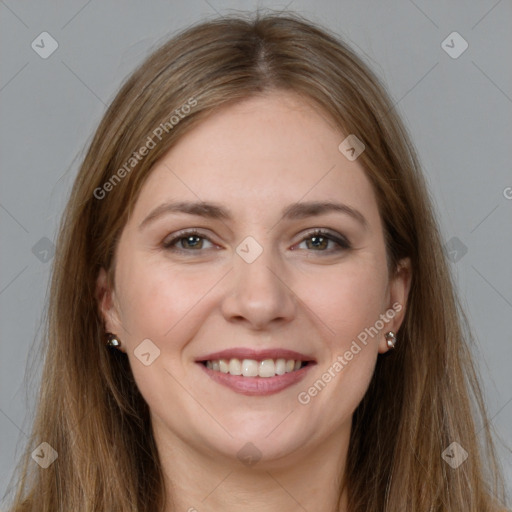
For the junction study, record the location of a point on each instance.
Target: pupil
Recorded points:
(318, 241)
(190, 240)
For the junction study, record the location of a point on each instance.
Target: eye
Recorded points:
(321, 240)
(186, 241)
(318, 240)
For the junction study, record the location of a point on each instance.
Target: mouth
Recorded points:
(251, 368)
(252, 372)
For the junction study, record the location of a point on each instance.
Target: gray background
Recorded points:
(459, 112)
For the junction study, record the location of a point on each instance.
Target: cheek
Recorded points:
(349, 304)
(166, 305)
(346, 299)
(159, 299)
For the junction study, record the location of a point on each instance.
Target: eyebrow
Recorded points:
(215, 211)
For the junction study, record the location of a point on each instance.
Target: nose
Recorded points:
(258, 294)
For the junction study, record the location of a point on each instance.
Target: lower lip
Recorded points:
(257, 386)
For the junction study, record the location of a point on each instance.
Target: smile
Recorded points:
(252, 372)
(254, 368)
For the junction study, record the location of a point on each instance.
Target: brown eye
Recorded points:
(321, 241)
(187, 241)
(191, 242)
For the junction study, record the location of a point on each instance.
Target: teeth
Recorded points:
(235, 367)
(249, 368)
(267, 368)
(254, 368)
(281, 366)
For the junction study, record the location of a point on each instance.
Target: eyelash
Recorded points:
(341, 241)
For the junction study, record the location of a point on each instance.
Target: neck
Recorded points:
(302, 481)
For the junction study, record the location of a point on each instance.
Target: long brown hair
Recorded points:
(420, 400)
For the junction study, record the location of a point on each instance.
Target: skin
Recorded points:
(255, 158)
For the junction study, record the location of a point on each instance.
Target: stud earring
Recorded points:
(390, 339)
(112, 340)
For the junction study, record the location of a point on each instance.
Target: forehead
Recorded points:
(263, 153)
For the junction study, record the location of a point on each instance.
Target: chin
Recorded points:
(266, 442)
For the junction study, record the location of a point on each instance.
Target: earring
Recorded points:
(390, 339)
(112, 340)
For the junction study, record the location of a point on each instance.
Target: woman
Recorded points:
(250, 306)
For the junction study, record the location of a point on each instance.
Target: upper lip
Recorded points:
(259, 355)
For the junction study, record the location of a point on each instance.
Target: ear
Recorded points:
(399, 286)
(107, 305)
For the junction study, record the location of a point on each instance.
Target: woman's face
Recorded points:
(253, 285)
